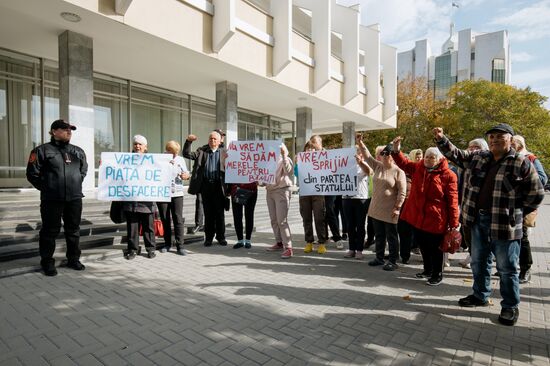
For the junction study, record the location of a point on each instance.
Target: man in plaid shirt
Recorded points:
(502, 188)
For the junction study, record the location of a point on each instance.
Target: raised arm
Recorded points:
(371, 161)
(402, 162)
(451, 152)
(186, 151)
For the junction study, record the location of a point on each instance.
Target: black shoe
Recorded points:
(151, 254)
(434, 281)
(207, 243)
(405, 261)
(239, 244)
(390, 266)
(423, 275)
(376, 262)
(525, 276)
(367, 244)
(76, 265)
(49, 269)
(470, 301)
(344, 236)
(222, 242)
(508, 316)
(130, 255)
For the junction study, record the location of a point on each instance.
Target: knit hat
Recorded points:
(140, 139)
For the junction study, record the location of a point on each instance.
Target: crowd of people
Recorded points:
(403, 202)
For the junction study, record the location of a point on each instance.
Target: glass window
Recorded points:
(203, 120)
(159, 117)
(498, 71)
(443, 78)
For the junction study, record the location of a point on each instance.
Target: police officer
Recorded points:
(57, 170)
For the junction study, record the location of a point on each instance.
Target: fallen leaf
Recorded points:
(468, 280)
(407, 298)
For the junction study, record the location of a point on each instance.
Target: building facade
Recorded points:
(464, 56)
(258, 69)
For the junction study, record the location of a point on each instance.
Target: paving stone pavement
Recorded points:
(220, 306)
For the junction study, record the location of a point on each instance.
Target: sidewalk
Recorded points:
(220, 306)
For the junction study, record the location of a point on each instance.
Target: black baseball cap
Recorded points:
(501, 127)
(61, 124)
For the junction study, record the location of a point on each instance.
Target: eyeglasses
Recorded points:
(384, 153)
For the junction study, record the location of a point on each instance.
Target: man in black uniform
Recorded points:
(57, 170)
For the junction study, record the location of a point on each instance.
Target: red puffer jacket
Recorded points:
(432, 205)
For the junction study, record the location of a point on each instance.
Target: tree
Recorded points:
(417, 114)
(477, 105)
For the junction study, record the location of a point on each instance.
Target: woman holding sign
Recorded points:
(243, 196)
(388, 193)
(174, 208)
(139, 214)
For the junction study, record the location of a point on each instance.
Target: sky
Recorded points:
(402, 22)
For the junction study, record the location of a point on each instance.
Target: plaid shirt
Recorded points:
(517, 189)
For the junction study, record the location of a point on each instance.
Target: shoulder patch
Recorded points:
(32, 158)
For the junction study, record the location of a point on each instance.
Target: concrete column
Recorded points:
(226, 109)
(304, 118)
(76, 93)
(348, 134)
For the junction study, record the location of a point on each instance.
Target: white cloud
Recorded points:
(529, 23)
(521, 57)
(540, 76)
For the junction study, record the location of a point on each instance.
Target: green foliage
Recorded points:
(478, 105)
(472, 108)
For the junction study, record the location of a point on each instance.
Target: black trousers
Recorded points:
(405, 231)
(386, 231)
(199, 211)
(52, 212)
(133, 221)
(248, 207)
(356, 212)
(525, 257)
(213, 202)
(431, 254)
(172, 210)
(331, 217)
(339, 209)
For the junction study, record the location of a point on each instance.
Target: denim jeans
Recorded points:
(506, 253)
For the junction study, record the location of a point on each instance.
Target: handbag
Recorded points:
(157, 227)
(116, 213)
(530, 219)
(243, 195)
(451, 241)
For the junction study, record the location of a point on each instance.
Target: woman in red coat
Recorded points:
(432, 206)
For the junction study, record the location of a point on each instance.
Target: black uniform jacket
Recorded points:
(57, 170)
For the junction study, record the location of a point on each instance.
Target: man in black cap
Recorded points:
(57, 170)
(503, 187)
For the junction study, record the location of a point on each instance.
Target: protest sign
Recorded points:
(134, 177)
(252, 161)
(327, 172)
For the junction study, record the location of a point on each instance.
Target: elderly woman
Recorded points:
(388, 193)
(356, 208)
(278, 202)
(432, 206)
(525, 257)
(174, 208)
(139, 214)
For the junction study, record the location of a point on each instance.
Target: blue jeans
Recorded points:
(506, 253)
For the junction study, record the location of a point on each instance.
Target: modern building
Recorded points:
(464, 56)
(258, 69)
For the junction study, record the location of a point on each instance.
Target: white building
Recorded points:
(258, 69)
(464, 56)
